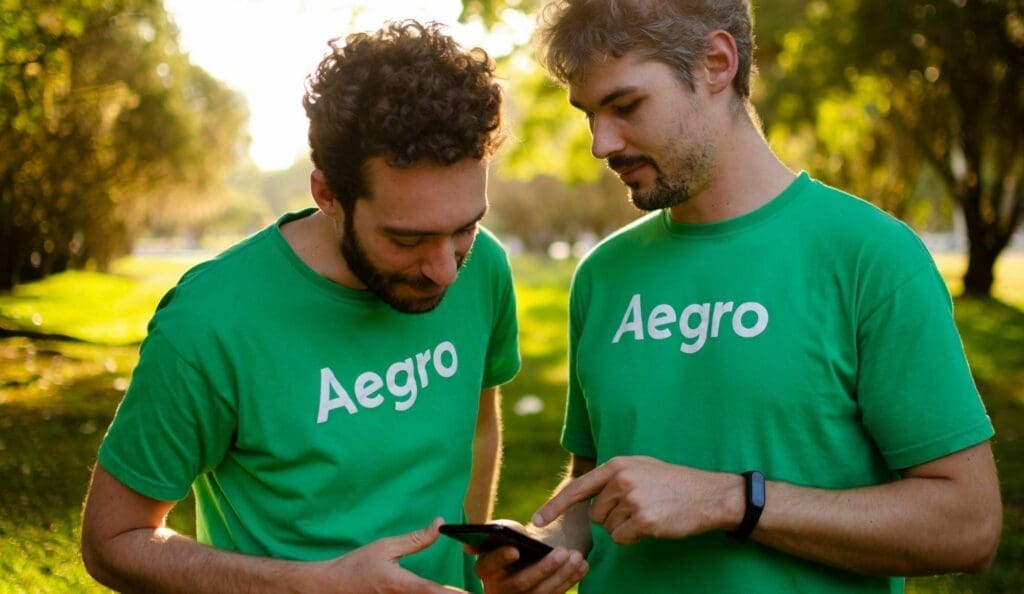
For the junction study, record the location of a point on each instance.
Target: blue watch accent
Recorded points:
(755, 495)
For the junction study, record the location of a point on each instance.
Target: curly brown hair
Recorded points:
(408, 93)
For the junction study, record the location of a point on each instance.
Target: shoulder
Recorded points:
(619, 247)
(852, 218)
(854, 229)
(488, 258)
(488, 245)
(208, 295)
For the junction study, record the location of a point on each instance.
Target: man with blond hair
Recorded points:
(767, 391)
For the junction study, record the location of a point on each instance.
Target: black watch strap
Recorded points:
(754, 492)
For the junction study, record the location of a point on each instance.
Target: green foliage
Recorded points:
(104, 124)
(882, 95)
(549, 136)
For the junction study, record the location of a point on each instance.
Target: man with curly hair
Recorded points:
(328, 387)
(767, 390)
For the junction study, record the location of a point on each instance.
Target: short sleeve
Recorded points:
(914, 385)
(170, 427)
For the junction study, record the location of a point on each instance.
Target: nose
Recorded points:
(606, 138)
(441, 263)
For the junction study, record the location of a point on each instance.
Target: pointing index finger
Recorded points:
(577, 490)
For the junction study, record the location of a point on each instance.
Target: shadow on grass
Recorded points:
(52, 420)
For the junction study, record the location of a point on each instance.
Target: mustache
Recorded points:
(620, 162)
(421, 282)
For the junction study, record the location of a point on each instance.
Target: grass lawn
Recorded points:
(58, 396)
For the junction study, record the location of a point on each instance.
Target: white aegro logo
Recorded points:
(403, 380)
(708, 317)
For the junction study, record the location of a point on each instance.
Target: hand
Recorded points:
(636, 497)
(374, 567)
(558, 571)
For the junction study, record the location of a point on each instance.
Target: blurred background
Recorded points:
(138, 137)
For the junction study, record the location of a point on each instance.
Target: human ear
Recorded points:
(322, 194)
(721, 61)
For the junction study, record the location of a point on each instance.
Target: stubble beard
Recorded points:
(692, 173)
(378, 283)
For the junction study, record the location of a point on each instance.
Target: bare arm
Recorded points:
(125, 545)
(942, 516)
(483, 482)
(572, 529)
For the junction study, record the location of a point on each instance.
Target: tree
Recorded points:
(882, 98)
(101, 116)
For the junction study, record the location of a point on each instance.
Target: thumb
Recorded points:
(397, 547)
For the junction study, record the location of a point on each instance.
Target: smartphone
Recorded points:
(487, 537)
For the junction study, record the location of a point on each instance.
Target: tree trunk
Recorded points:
(980, 263)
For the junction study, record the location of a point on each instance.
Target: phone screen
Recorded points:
(487, 537)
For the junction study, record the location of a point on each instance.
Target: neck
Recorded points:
(314, 239)
(747, 175)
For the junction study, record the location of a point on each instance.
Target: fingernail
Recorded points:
(537, 520)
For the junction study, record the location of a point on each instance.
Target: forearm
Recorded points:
(913, 526)
(572, 529)
(147, 560)
(940, 516)
(483, 480)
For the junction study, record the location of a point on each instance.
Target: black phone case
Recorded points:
(487, 537)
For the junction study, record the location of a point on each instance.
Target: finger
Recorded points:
(528, 578)
(563, 578)
(406, 581)
(619, 516)
(603, 505)
(397, 547)
(580, 571)
(627, 532)
(577, 490)
(492, 563)
(574, 578)
(511, 524)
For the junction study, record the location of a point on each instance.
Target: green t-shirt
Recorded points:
(811, 339)
(311, 418)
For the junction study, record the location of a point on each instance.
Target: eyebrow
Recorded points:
(407, 232)
(617, 93)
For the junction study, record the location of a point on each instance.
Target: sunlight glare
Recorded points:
(266, 48)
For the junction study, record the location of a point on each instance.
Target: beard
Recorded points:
(385, 286)
(686, 180)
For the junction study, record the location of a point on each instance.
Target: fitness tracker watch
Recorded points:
(754, 491)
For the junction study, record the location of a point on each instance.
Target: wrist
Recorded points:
(754, 488)
(734, 502)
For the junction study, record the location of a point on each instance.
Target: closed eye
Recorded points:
(626, 109)
(407, 241)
